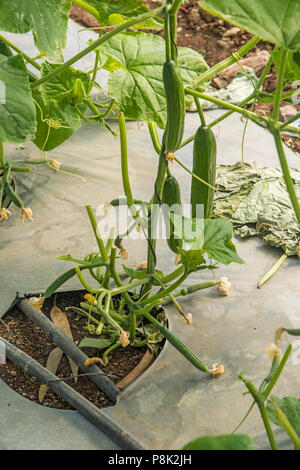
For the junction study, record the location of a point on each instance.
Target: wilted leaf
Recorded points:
(60, 319)
(53, 361)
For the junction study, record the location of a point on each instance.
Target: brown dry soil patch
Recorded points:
(203, 32)
(27, 336)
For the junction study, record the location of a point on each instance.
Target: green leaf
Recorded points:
(97, 343)
(211, 236)
(272, 20)
(17, 111)
(137, 84)
(47, 19)
(65, 121)
(290, 407)
(191, 259)
(68, 87)
(222, 442)
(118, 11)
(292, 69)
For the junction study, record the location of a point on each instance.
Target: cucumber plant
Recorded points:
(153, 80)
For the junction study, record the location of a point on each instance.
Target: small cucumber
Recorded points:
(174, 90)
(204, 166)
(13, 196)
(171, 197)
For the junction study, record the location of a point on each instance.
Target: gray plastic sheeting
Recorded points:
(172, 402)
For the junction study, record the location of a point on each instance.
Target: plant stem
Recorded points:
(109, 350)
(154, 136)
(261, 406)
(96, 233)
(260, 120)
(272, 271)
(98, 42)
(278, 371)
(200, 111)
(287, 425)
(207, 76)
(2, 161)
(286, 174)
(124, 167)
(15, 48)
(88, 8)
(277, 98)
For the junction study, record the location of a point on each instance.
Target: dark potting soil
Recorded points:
(23, 333)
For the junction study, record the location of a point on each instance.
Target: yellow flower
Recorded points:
(92, 360)
(55, 164)
(272, 350)
(216, 370)
(4, 214)
(224, 286)
(142, 266)
(124, 254)
(124, 339)
(37, 302)
(170, 156)
(26, 211)
(90, 299)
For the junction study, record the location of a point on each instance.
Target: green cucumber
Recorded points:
(171, 196)
(174, 90)
(204, 166)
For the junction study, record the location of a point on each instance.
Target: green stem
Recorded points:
(272, 271)
(200, 111)
(287, 426)
(175, 7)
(286, 174)
(207, 76)
(154, 136)
(278, 372)
(88, 8)
(114, 315)
(85, 283)
(261, 406)
(15, 48)
(2, 161)
(109, 350)
(98, 42)
(124, 167)
(96, 233)
(289, 121)
(281, 73)
(260, 120)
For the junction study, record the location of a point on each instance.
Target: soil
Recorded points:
(27, 336)
(203, 32)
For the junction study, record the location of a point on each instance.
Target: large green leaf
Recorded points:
(290, 407)
(292, 69)
(211, 236)
(67, 87)
(276, 21)
(222, 442)
(54, 124)
(47, 19)
(109, 9)
(17, 111)
(137, 84)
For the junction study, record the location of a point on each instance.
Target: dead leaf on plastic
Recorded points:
(60, 319)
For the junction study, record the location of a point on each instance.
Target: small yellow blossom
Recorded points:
(4, 214)
(142, 266)
(37, 302)
(224, 286)
(55, 164)
(216, 370)
(272, 350)
(90, 299)
(124, 339)
(26, 212)
(189, 318)
(170, 157)
(124, 254)
(92, 360)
